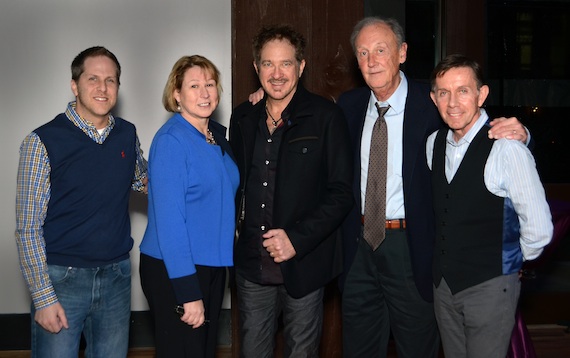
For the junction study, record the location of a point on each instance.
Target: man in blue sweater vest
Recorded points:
(490, 212)
(72, 221)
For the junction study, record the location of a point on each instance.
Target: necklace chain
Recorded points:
(274, 121)
(210, 137)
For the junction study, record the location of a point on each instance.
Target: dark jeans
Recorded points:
(260, 307)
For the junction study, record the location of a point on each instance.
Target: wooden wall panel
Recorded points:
(465, 28)
(332, 61)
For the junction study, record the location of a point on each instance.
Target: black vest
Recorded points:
(469, 219)
(87, 222)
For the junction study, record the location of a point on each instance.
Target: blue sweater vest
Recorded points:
(87, 222)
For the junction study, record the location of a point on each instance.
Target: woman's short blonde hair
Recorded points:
(176, 78)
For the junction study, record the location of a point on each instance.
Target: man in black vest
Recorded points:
(491, 214)
(72, 220)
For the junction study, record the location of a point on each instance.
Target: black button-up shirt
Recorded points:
(260, 187)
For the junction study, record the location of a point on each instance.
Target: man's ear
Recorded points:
(432, 96)
(403, 53)
(74, 88)
(483, 93)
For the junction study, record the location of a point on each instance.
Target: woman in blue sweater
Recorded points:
(188, 242)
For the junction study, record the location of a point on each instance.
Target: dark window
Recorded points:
(421, 35)
(529, 75)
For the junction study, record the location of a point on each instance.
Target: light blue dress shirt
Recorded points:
(395, 124)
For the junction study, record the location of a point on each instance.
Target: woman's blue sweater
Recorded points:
(191, 210)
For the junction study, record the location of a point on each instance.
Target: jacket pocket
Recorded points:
(303, 145)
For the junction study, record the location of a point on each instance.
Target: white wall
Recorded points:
(38, 41)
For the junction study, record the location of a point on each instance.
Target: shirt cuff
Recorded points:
(187, 288)
(44, 297)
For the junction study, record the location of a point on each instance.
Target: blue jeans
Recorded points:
(259, 308)
(97, 302)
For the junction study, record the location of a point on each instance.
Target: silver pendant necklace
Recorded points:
(274, 121)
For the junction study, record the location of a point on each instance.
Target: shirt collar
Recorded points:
(468, 137)
(397, 101)
(83, 124)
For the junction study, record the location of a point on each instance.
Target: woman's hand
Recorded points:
(194, 314)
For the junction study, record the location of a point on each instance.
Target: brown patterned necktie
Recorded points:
(375, 199)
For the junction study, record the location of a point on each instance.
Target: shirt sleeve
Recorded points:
(429, 148)
(511, 172)
(32, 197)
(141, 167)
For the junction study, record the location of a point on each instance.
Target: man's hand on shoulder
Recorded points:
(52, 318)
(256, 96)
(510, 128)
